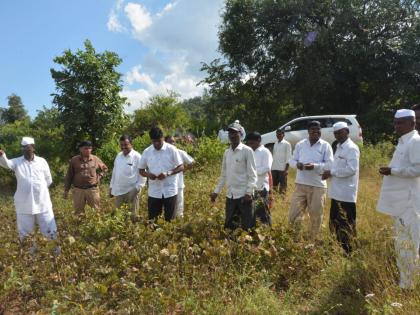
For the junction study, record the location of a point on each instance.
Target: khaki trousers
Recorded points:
(89, 196)
(131, 199)
(311, 198)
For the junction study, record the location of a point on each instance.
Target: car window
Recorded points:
(299, 125)
(342, 119)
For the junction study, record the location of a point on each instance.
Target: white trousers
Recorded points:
(45, 220)
(179, 208)
(407, 245)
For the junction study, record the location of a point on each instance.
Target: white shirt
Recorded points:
(238, 172)
(161, 161)
(401, 189)
(33, 179)
(263, 162)
(320, 154)
(186, 160)
(125, 175)
(282, 153)
(345, 172)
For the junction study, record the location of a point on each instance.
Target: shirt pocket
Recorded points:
(239, 163)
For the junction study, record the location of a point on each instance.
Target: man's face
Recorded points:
(254, 144)
(85, 151)
(171, 140)
(280, 135)
(314, 133)
(126, 146)
(341, 135)
(157, 143)
(404, 125)
(234, 136)
(417, 119)
(28, 149)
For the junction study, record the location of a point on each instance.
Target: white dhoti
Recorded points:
(407, 245)
(179, 208)
(45, 220)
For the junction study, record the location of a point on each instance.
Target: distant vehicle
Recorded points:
(296, 129)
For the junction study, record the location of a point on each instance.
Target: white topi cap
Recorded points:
(27, 140)
(236, 121)
(401, 113)
(340, 125)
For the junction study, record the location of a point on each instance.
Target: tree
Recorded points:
(15, 110)
(318, 57)
(161, 110)
(88, 95)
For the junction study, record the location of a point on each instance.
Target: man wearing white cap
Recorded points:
(239, 174)
(32, 198)
(400, 196)
(344, 174)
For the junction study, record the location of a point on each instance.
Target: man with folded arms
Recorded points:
(342, 190)
(240, 176)
(84, 174)
(282, 152)
(126, 181)
(32, 198)
(310, 157)
(400, 197)
(160, 163)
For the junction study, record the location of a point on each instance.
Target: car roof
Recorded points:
(326, 116)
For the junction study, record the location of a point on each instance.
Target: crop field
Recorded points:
(109, 265)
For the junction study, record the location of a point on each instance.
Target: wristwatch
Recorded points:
(169, 173)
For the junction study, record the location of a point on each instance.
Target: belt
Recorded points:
(87, 187)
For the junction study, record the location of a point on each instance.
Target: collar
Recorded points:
(407, 136)
(81, 157)
(309, 142)
(34, 160)
(344, 144)
(260, 148)
(129, 154)
(239, 147)
(163, 148)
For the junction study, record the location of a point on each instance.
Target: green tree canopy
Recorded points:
(88, 95)
(15, 110)
(161, 110)
(316, 57)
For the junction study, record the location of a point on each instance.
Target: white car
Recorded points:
(296, 129)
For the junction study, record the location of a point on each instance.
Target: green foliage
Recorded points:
(163, 111)
(15, 110)
(88, 95)
(288, 58)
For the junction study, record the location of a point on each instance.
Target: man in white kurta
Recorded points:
(342, 190)
(187, 160)
(263, 162)
(400, 195)
(32, 198)
(126, 181)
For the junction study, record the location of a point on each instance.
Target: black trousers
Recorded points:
(262, 212)
(279, 179)
(239, 213)
(343, 222)
(155, 207)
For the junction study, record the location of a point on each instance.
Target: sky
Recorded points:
(162, 44)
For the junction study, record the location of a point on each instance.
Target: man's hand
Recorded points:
(161, 176)
(66, 194)
(247, 198)
(326, 175)
(308, 166)
(385, 171)
(213, 197)
(110, 193)
(1, 152)
(299, 166)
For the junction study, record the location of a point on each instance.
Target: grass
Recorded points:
(193, 266)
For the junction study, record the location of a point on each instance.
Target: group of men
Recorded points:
(250, 173)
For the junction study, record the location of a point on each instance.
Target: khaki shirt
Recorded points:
(84, 173)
